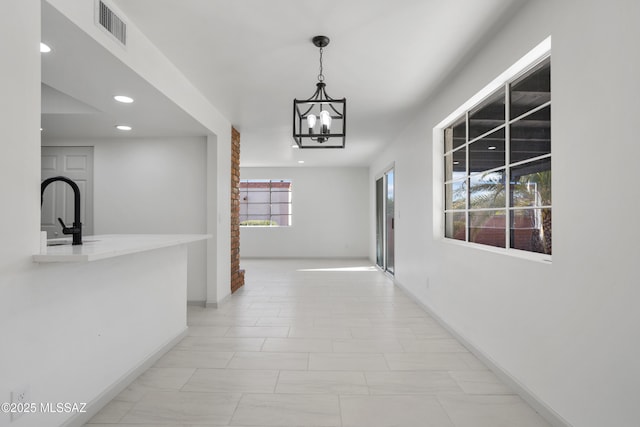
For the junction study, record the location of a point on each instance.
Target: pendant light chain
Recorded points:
(321, 76)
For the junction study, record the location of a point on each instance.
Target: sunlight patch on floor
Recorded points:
(362, 268)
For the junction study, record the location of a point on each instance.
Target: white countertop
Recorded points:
(94, 248)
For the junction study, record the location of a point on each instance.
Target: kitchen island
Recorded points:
(115, 305)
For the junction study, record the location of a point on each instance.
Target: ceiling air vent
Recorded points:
(108, 20)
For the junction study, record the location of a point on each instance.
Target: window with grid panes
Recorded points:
(497, 167)
(265, 202)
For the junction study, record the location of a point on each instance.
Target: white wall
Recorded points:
(219, 217)
(19, 188)
(567, 332)
(152, 186)
(329, 215)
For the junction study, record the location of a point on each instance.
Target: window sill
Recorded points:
(264, 226)
(530, 256)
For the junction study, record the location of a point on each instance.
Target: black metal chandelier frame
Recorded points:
(328, 113)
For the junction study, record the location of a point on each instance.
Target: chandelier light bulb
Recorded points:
(325, 120)
(311, 122)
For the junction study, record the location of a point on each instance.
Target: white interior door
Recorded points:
(76, 163)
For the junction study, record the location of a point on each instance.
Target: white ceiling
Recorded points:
(251, 58)
(79, 80)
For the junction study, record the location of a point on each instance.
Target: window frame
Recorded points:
(270, 203)
(529, 62)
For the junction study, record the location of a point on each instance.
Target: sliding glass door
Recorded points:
(385, 221)
(380, 222)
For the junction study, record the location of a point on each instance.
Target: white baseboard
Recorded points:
(545, 411)
(93, 407)
(217, 304)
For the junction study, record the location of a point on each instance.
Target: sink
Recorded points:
(64, 241)
(58, 242)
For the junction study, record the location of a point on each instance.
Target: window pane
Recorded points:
(455, 225)
(455, 135)
(281, 220)
(280, 186)
(531, 184)
(488, 115)
(258, 186)
(487, 190)
(531, 230)
(253, 210)
(531, 136)
(455, 165)
(487, 228)
(456, 195)
(531, 90)
(280, 209)
(257, 222)
(487, 153)
(256, 216)
(280, 197)
(258, 198)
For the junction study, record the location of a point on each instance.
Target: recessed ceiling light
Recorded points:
(44, 48)
(301, 161)
(123, 127)
(124, 99)
(492, 147)
(294, 146)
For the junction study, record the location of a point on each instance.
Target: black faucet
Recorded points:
(76, 230)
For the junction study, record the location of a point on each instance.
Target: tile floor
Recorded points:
(317, 343)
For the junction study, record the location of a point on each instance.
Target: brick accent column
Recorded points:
(237, 275)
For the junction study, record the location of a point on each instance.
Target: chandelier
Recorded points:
(320, 121)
